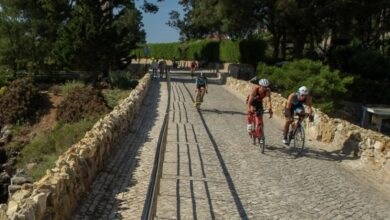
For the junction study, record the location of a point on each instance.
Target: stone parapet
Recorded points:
(372, 147)
(56, 194)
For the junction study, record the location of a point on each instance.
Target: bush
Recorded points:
(370, 64)
(21, 102)
(325, 85)
(3, 90)
(114, 96)
(81, 102)
(5, 77)
(364, 62)
(122, 80)
(70, 86)
(244, 51)
(45, 148)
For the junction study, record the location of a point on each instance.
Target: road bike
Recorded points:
(297, 133)
(199, 97)
(257, 130)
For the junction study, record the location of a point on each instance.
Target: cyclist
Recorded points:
(294, 105)
(200, 82)
(192, 66)
(255, 102)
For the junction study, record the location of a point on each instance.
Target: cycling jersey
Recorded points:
(296, 104)
(201, 81)
(257, 101)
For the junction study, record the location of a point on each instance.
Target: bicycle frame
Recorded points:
(199, 96)
(257, 132)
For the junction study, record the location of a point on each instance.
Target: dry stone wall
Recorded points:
(372, 147)
(57, 193)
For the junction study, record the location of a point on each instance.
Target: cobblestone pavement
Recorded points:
(120, 189)
(213, 171)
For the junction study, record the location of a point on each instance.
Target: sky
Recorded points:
(157, 31)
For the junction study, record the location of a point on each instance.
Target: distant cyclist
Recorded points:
(201, 82)
(192, 67)
(294, 106)
(255, 102)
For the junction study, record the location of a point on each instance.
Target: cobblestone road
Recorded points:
(212, 171)
(119, 191)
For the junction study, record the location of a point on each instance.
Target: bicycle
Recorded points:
(199, 97)
(298, 133)
(257, 134)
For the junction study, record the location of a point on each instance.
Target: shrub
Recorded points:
(5, 77)
(21, 102)
(364, 62)
(244, 51)
(70, 86)
(3, 90)
(370, 64)
(114, 96)
(122, 80)
(81, 102)
(325, 85)
(45, 148)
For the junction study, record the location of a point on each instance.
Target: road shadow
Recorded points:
(240, 207)
(220, 112)
(338, 155)
(116, 177)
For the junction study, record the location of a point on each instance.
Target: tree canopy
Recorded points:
(89, 35)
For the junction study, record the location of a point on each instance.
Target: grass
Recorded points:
(69, 86)
(114, 96)
(45, 148)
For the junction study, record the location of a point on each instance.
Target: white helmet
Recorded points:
(264, 82)
(303, 91)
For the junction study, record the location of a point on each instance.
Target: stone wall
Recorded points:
(56, 194)
(372, 147)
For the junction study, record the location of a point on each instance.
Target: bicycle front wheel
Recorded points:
(299, 139)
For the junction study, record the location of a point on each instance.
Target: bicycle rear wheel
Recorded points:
(261, 138)
(299, 139)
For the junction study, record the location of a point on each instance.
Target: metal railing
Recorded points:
(149, 210)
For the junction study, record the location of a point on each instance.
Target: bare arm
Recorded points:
(289, 101)
(309, 103)
(268, 100)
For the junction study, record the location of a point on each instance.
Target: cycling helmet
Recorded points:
(303, 90)
(264, 82)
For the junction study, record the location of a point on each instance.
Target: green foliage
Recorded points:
(96, 39)
(370, 64)
(122, 80)
(44, 149)
(3, 90)
(81, 102)
(5, 77)
(22, 101)
(114, 96)
(69, 87)
(325, 85)
(43, 36)
(245, 51)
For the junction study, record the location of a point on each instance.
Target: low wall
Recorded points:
(372, 147)
(56, 194)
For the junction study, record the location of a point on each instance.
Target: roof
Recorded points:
(384, 111)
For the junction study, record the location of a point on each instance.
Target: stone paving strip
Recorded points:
(119, 191)
(213, 171)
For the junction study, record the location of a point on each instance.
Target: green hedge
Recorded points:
(244, 51)
(325, 85)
